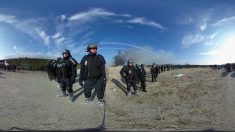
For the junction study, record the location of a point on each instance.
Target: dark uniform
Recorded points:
(14, 67)
(137, 67)
(153, 72)
(92, 72)
(65, 71)
(228, 67)
(129, 73)
(75, 63)
(58, 69)
(157, 70)
(161, 68)
(141, 75)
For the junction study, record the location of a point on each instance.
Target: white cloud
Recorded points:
(60, 40)
(66, 27)
(31, 28)
(57, 35)
(63, 17)
(202, 21)
(203, 26)
(212, 52)
(91, 15)
(213, 36)
(126, 15)
(223, 53)
(86, 36)
(143, 21)
(210, 40)
(43, 36)
(225, 21)
(190, 39)
(10, 19)
(198, 38)
(95, 13)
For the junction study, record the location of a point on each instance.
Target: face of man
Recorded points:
(130, 64)
(66, 55)
(94, 51)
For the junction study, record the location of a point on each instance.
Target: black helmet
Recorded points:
(91, 46)
(153, 63)
(142, 65)
(67, 51)
(129, 61)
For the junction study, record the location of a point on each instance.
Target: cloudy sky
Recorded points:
(164, 31)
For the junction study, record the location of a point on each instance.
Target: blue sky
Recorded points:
(161, 31)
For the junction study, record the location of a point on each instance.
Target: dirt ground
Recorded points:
(201, 99)
(28, 101)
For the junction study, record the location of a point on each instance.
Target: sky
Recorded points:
(160, 31)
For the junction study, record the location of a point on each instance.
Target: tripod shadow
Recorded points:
(224, 74)
(79, 93)
(119, 85)
(93, 94)
(1, 76)
(233, 75)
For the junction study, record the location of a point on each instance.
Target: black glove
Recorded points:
(73, 80)
(81, 83)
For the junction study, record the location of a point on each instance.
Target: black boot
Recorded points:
(71, 98)
(62, 94)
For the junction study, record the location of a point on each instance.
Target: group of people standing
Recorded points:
(134, 75)
(92, 74)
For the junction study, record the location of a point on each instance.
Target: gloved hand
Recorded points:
(72, 80)
(81, 83)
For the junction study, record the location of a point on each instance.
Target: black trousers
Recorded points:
(131, 83)
(98, 84)
(65, 83)
(143, 84)
(154, 77)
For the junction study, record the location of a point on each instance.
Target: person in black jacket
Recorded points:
(137, 67)
(74, 62)
(66, 71)
(58, 75)
(153, 72)
(141, 74)
(92, 74)
(129, 73)
(157, 69)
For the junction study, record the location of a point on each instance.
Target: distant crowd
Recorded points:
(8, 67)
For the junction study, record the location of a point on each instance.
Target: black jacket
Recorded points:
(141, 74)
(92, 67)
(153, 70)
(67, 68)
(58, 70)
(75, 63)
(129, 73)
